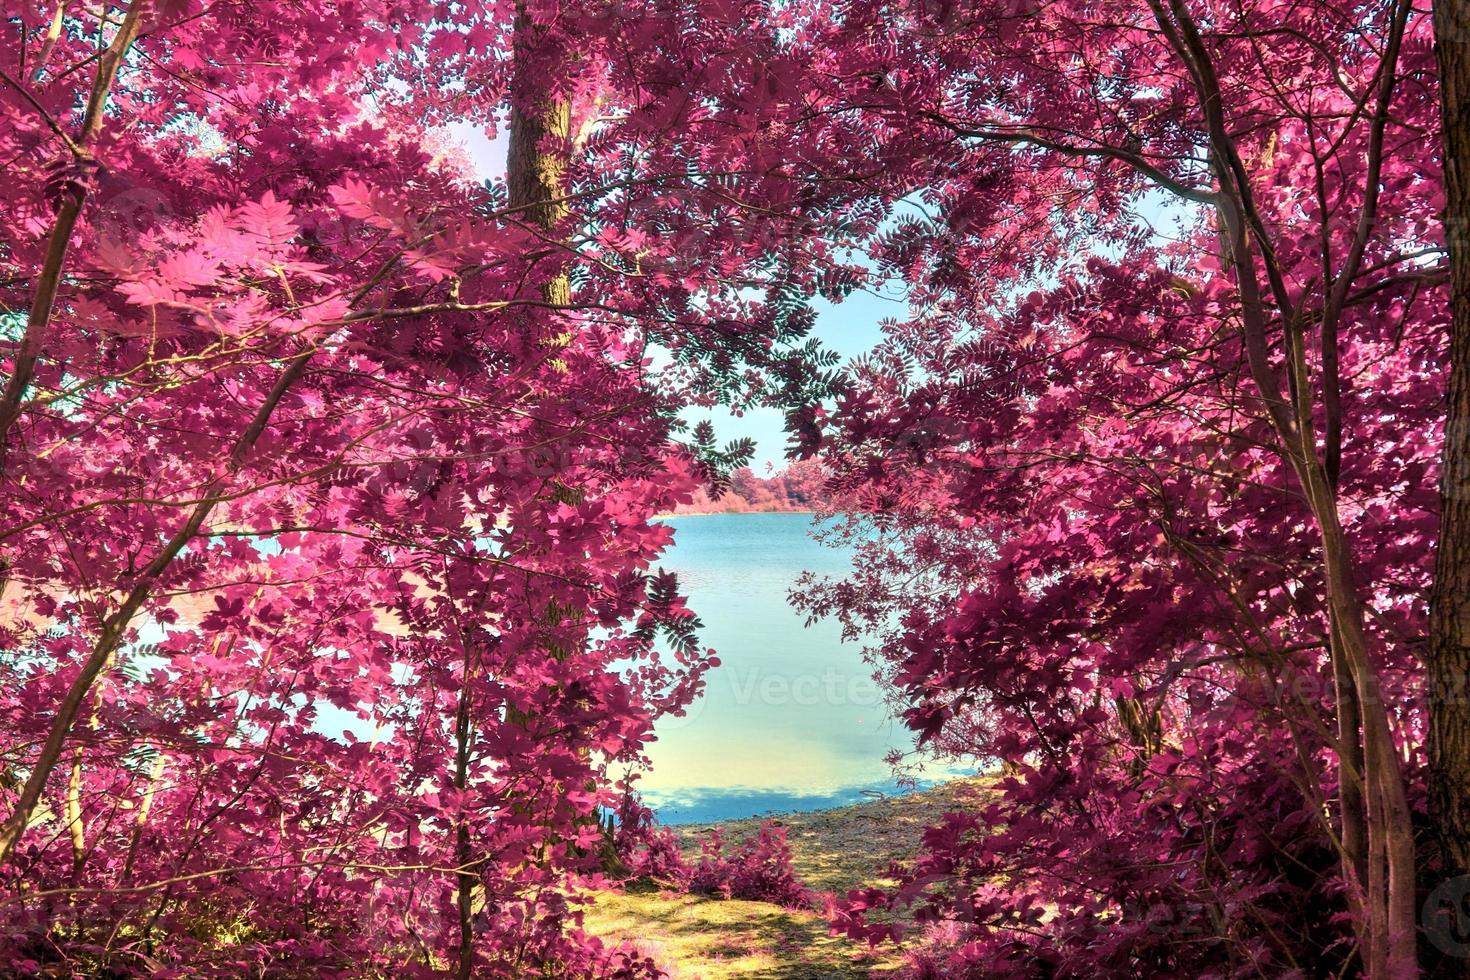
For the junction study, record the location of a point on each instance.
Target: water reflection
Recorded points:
(792, 719)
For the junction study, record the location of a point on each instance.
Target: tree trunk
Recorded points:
(1449, 629)
(73, 813)
(535, 168)
(69, 209)
(1352, 806)
(465, 875)
(1386, 925)
(536, 159)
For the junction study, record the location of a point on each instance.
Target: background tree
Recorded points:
(1174, 334)
(1449, 636)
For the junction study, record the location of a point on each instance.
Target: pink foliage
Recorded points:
(330, 586)
(758, 869)
(648, 850)
(1145, 481)
(802, 485)
(329, 574)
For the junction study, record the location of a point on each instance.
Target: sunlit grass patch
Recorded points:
(701, 938)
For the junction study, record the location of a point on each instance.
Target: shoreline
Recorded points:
(721, 513)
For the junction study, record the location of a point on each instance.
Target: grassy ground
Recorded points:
(699, 938)
(708, 939)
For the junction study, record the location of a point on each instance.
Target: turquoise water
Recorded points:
(792, 718)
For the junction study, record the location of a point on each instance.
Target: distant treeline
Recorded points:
(799, 486)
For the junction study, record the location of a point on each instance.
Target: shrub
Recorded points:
(759, 869)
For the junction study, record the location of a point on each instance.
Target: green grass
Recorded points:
(700, 938)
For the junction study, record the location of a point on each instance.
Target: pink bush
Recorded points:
(758, 870)
(648, 851)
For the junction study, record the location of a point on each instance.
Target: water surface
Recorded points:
(792, 718)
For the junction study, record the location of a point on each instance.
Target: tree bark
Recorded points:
(1387, 924)
(536, 158)
(1449, 628)
(1352, 806)
(33, 341)
(535, 170)
(466, 876)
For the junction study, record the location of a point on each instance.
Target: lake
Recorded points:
(792, 718)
